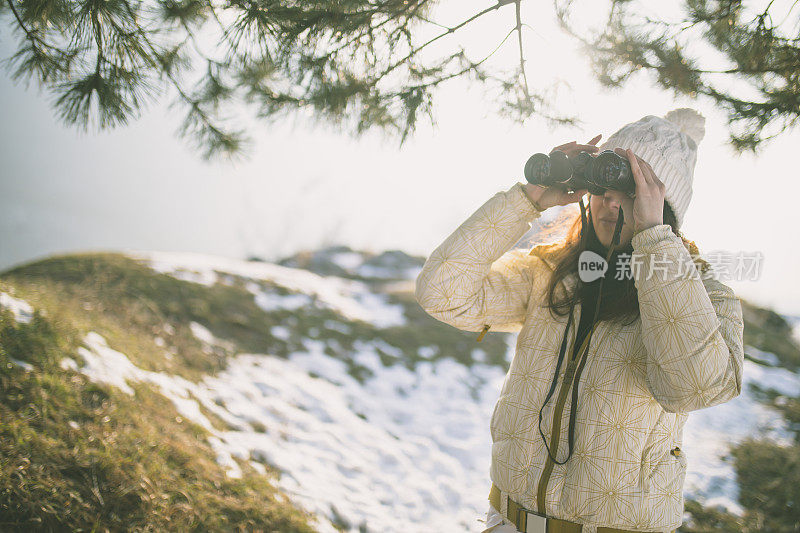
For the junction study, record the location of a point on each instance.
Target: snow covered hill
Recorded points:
(375, 415)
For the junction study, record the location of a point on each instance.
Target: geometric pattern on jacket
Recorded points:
(685, 352)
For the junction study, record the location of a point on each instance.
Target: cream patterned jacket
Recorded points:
(684, 352)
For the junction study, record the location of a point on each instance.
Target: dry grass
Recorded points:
(78, 456)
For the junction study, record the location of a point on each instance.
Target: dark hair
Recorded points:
(620, 299)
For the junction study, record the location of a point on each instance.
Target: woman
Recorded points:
(587, 430)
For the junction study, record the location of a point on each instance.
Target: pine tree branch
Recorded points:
(284, 56)
(761, 56)
(98, 37)
(471, 66)
(417, 6)
(450, 31)
(521, 55)
(34, 39)
(193, 103)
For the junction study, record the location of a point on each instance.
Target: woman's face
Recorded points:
(605, 209)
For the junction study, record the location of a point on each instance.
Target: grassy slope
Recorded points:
(134, 463)
(79, 456)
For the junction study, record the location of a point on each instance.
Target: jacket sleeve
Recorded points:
(692, 325)
(472, 278)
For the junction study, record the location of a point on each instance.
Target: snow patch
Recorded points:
(479, 355)
(765, 358)
(269, 301)
(347, 260)
(352, 299)
(384, 272)
(22, 364)
(337, 326)
(390, 453)
(208, 339)
(22, 310)
(280, 332)
(796, 331)
(68, 363)
(202, 333)
(382, 314)
(103, 364)
(427, 352)
(106, 365)
(224, 457)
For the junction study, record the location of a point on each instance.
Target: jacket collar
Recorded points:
(544, 252)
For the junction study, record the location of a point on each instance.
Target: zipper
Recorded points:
(483, 332)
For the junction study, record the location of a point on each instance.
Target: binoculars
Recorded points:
(607, 170)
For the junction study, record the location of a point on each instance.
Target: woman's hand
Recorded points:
(648, 206)
(547, 197)
(573, 148)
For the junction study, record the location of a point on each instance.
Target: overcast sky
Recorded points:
(141, 187)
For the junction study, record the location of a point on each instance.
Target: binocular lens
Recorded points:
(610, 171)
(547, 170)
(537, 168)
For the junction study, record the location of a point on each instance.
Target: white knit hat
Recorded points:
(669, 145)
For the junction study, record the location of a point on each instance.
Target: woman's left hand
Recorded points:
(648, 206)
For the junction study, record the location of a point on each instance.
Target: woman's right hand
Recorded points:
(547, 197)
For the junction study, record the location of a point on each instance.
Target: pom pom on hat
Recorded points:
(689, 122)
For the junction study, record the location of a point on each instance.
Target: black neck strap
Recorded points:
(584, 349)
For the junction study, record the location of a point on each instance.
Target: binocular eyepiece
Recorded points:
(607, 170)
